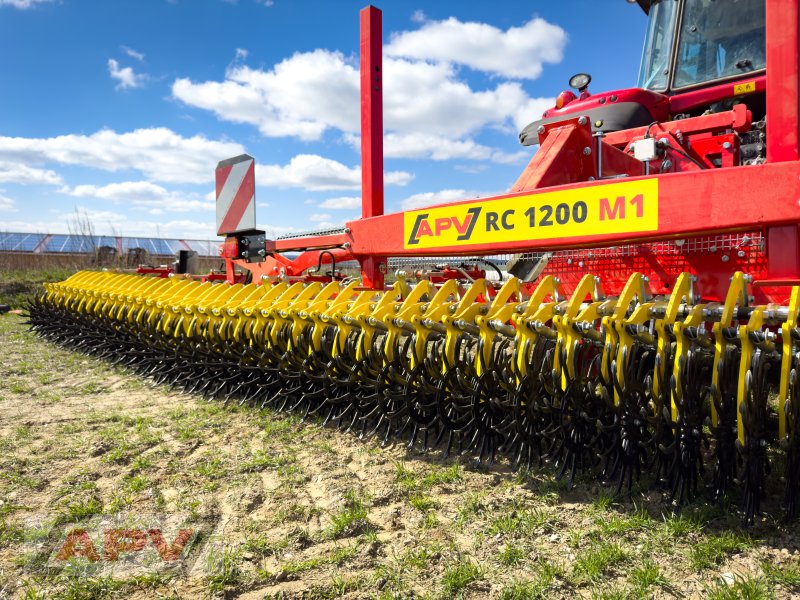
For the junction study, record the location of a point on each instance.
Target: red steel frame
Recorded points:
(693, 202)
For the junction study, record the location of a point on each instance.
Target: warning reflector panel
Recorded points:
(236, 195)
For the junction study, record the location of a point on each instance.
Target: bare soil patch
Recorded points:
(298, 510)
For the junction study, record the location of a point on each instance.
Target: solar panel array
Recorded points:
(77, 244)
(19, 242)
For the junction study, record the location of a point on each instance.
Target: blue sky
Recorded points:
(121, 109)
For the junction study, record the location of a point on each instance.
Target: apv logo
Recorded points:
(424, 226)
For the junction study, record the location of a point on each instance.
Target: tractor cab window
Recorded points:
(657, 53)
(720, 39)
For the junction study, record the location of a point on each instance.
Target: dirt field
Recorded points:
(290, 509)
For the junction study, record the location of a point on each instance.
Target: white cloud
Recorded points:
(518, 52)
(133, 53)
(11, 172)
(327, 225)
(437, 147)
(284, 101)
(319, 217)
(143, 194)
(126, 76)
(316, 173)
(430, 198)
(23, 4)
(162, 155)
(343, 202)
(418, 16)
(159, 153)
(6, 204)
(421, 98)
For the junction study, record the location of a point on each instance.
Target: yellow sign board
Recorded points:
(744, 88)
(625, 207)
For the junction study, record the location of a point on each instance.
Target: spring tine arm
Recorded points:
(786, 359)
(737, 296)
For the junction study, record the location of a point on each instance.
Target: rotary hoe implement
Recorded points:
(630, 305)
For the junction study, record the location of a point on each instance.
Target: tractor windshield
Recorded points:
(719, 39)
(654, 72)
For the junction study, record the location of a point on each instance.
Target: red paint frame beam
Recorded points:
(696, 203)
(783, 85)
(372, 267)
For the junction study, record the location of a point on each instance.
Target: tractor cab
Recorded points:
(699, 56)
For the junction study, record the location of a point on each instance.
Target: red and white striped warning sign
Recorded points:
(236, 195)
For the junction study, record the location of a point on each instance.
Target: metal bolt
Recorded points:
(347, 230)
(591, 178)
(740, 254)
(587, 151)
(727, 145)
(262, 252)
(583, 121)
(725, 258)
(712, 249)
(667, 164)
(540, 129)
(569, 261)
(346, 245)
(219, 251)
(580, 263)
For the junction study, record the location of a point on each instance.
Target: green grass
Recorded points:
(10, 532)
(78, 585)
(17, 287)
(420, 557)
(646, 576)
(458, 575)
(411, 482)
(595, 561)
(81, 509)
(223, 568)
(20, 387)
(711, 550)
(212, 469)
(351, 518)
(421, 501)
(472, 505)
(742, 588)
(788, 576)
(517, 521)
(512, 555)
(338, 557)
(619, 525)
